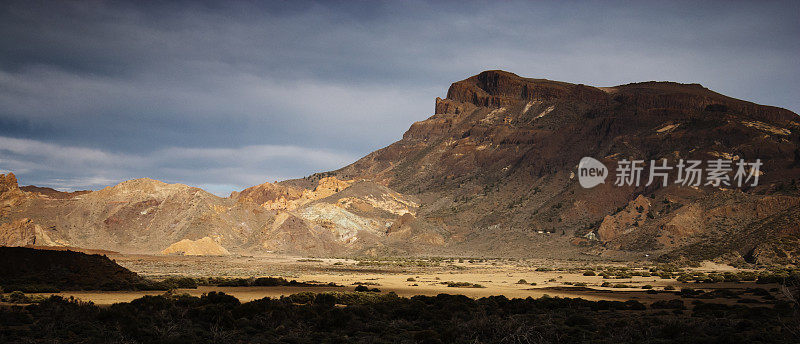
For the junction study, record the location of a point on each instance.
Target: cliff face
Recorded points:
(498, 88)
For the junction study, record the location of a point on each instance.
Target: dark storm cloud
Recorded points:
(229, 94)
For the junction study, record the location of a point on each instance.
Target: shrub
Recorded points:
(589, 273)
(179, 282)
(18, 297)
(647, 286)
(219, 298)
(270, 282)
(634, 305)
(522, 281)
(668, 304)
(747, 276)
(731, 277)
(325, 300)
(463, 285)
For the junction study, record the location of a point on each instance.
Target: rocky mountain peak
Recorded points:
(497, 88)
(8, 182)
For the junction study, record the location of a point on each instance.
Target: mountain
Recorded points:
(141, 215)
(495, 167)
(492, 172)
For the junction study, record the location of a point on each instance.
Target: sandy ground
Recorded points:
(405, 277)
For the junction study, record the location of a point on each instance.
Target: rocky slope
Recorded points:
(142, 215)
(492, 172)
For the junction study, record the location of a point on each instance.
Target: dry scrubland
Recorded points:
(472, 277)
(373, 301)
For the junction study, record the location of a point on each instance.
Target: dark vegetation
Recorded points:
(43, 271)
(387, 318)
(258, 282)
(31, 270)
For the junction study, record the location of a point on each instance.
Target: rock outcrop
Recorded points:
(10, 194)
(629, 219)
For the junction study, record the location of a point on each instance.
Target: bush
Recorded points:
(634, 305)
(522, 281)
(647, 286)
(17, 297)
(716, 278)
(463, 285)
(179, 282)
(590, 273)
(731, 277)
(271, 282)
(219, 298)
(325, 300)
(668, 304)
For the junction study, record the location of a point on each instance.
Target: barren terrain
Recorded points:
(475, 278)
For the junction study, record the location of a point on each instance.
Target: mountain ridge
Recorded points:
(492, 172)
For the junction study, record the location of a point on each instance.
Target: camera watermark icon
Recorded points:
(715, 173)
(591, 172)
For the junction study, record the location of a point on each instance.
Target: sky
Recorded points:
(226, 95)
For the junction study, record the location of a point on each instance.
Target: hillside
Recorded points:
(30, 269)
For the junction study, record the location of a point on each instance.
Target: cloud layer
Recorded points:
(226, 95)
(217, 169)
